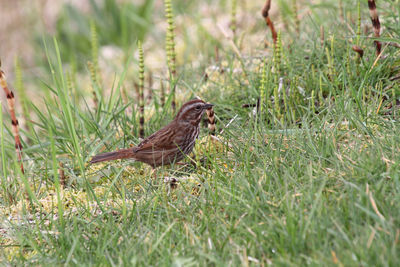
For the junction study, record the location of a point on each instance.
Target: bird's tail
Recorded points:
(119, 154)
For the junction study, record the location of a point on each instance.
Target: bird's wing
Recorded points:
(162, 140)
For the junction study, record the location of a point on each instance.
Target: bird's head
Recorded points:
(192, 111)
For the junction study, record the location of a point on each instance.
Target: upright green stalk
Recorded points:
(141, 90)
(263, 88)
(330, 58)
(313, 101)
(278, 55)
(358, 23)
(170, 49)
(296, 16)
(94, 43)
(93, 75)
(233, 25)
(341, 15)
(285, 102)
(321, 97)
(276, 103)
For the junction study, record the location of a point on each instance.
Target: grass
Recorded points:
(313, 179)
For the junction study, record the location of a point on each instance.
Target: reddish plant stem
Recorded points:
(375, 24)
(268, 21)
(14, 121)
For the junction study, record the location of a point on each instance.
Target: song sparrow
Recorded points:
(168, 145)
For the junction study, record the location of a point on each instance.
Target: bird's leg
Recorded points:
(153, 173)
(152, 178)
(172, 181)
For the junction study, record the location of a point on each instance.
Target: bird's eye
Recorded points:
(198, 108)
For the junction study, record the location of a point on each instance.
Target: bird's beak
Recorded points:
(208, 106)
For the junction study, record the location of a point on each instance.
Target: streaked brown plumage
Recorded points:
(168, 145)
